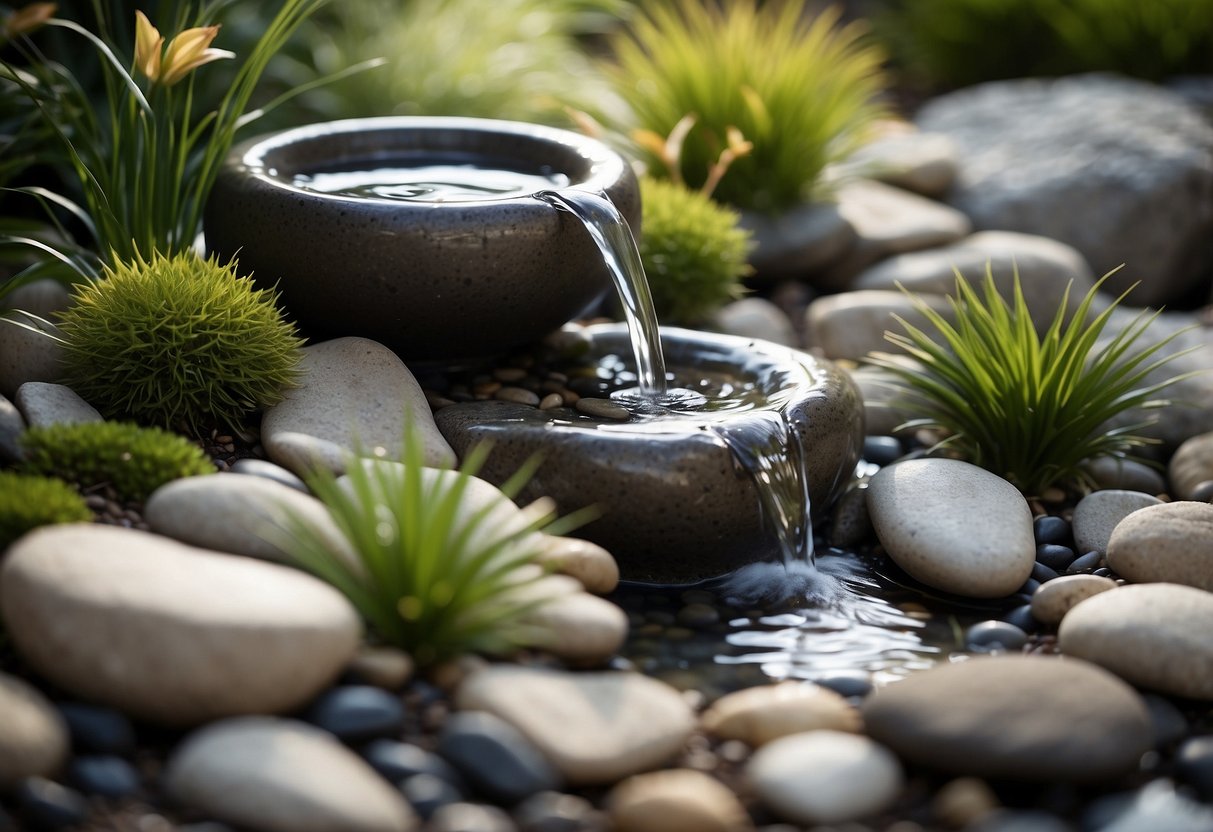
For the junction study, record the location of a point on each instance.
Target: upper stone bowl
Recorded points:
(468, 266)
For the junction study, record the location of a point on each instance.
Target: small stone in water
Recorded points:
(551, 401)
(603, 409)
(698, 615)
(357, 713)
(881, 450)
(994, 636)
(1050, 528)
(1055, 556)
(1086, 563)
(103, 774)
(517, 395)
(427, 793)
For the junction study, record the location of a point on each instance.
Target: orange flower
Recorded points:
(28, 18)
(186, 52)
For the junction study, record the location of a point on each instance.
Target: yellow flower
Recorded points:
(28, 18)
(186, 52)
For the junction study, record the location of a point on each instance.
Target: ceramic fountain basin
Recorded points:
(432, 280)
(676, 508)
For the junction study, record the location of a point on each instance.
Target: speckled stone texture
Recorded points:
(432, 281)
(675, 506)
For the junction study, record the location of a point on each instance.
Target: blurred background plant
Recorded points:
(959, 42)
(137, 161)
(513, 59)
(801, 88)
(445, 563)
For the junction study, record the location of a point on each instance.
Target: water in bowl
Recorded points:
(429, 179)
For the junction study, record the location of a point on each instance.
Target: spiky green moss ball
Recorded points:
(27, 502)
(178, 342)
(134, 460)
(693, 250)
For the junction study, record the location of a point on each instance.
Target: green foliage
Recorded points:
(511, 59)
(1031, 408)
(27, 502)
(141, 159)
(134, 460)
(177, 341)
(801, 90)
(438, 572)
(693, 250)
(957, 42)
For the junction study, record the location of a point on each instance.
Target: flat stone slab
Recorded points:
(353, 392)
(594, 727)
(167, 632)
(675, 507)
(1018, 717)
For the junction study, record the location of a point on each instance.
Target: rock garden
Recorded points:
(331, 507)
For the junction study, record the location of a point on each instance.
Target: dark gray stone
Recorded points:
(556, 812)
(103, 774)
(495, 758)
(1050, 528)
(804, 239)
(675, 508)
(48, 805)
(357, 713)
(1017, 717)
(427, 793)
(98, 729)
(509, 270)
(398, 761)
(995, 637)
(12, 425)
(1120, 169)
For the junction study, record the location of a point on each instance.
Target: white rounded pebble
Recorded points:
(167, 632)
(953, 526)
(825, 777)
(1172, 542)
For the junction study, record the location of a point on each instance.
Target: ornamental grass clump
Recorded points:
(437, 571)
(178, 342)
(28, 501)
(133, 460)
(693, 250)
(802, 90)
(1030, 408)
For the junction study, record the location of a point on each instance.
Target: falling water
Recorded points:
(763, 444)
(614, 239)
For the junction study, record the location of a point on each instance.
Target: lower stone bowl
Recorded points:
(677, 507)
(420, 233)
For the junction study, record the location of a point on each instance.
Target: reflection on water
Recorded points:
(840, 618)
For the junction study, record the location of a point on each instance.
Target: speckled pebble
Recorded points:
(43, 403)
(1172, 542)
(1053, 600)
(353, 391)
(923, 512)
(1097, 514)
(764, 713)
(1152, 635)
